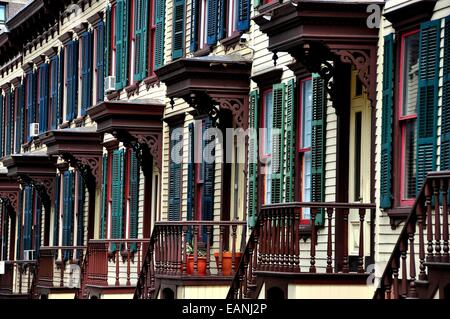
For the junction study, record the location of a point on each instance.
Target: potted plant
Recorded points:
(201, 260)
(227, 261)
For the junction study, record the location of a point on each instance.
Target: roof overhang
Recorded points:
(29, 164)
(408, 13)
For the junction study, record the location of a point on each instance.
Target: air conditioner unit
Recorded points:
(110, 84)
(29, 255)
(34, 129)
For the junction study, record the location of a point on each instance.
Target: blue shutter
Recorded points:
(121, 38)
(221, 24)
(19, 243)
(194, 25)
(2, 122)
(54, 65)
(140, 31)
(86, 71)
(56, 211)
(28, 218)
(160, 11)
(178, 29)
(37, 227)
(20, 121)
(72, 80)
(427, 100)
(213, 18)
(80, 214)
(100, 61)
(43, 97)
(68, 211)
(61, 85)
(10, 127)
(243, 15)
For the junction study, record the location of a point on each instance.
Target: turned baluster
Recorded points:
(403, 247)
(157, 252)
(128, 263)
(61, 270)
(208, 249)
(362, 213)
(283, 245)
(262, 246)
(412, 261)
(388, 286)
(180, 250)
(444, 187)
(265, 240)
(395, 267)
(117, 262)
(419, 214)
(255, 259)
(297, 240)
(221, 239)
(329, 240)
(245, 276)
(429, 223)
(233, 249)
(185, 254)
(290, 240)
(437, 222)
(195, 249)
(172, 249)
(345, 264)
(138, 247)
(312, 268)
(276, 241)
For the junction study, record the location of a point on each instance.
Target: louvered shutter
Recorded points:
(208, 178)
(37, 226)
(253, 161)
(61, 85)
(445, 128)
(43, 97)
(191, 173)
(290, 140)
(140, 31)
(56, 211)
(243, 15)
(20, 121)
(8, 118)
(386, 125)
(256, 3)
(134, 198)
(194, 25)
(277, 174)
(100, 61)
(427, 100)
(174, 183)
(221, 23)
(80, 214)
(212, 16)
(86, 72)
(117, 196)
(54, 66)
(68, 211)
(104, 199)
(30, 100)
(319, 103)
(72, 80)
(19, 240)
(107, 44)
(121, 38)
(160, 11)
(28, 218)
(2, 122)
(178, 29)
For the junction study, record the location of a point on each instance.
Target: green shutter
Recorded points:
(140, 31)
(386, 123)
(253, 161)
(104, 199)
(175, 171)
(427, 100)
(194, 25)
(117, 196)
(256, 3)
(290, 140)
(37, 226)
(86, 71)
(160, 11)
(121, 38)
(31, 99)
(178, 29)
(208, 174)
(277, 175)
(134, 198)
(107, 42)
(445, 128)
(100, 61)
(56, 211)
(319, 104)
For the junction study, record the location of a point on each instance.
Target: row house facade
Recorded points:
(225, 149)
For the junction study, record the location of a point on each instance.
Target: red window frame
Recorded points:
(403, 120)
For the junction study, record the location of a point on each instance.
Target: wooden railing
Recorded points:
(423, 240)
(119, 260)
(63, 259)
(275, 244)
(184, 249)
(22, 282)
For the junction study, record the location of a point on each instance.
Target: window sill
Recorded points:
(398, 215)
(202, 52)
(231, 41)
(151, 81)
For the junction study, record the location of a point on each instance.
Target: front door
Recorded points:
(359, 166)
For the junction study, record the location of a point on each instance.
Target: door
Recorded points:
(359, 166)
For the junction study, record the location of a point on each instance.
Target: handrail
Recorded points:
(319, 205)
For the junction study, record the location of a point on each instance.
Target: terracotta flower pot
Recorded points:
(201, 265)
(227, 261)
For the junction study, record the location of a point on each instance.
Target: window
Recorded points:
(266, 120)
(142, 43)
(72, 80)
(408, 88)
(86, 71)
(305, 142)
(175, 172)
(2, 13)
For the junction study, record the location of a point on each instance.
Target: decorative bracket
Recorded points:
(10, 199)
(237, 106)
(87, 165)
(44, 185)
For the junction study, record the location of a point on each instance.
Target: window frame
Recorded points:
(265, 200)
(4, 6)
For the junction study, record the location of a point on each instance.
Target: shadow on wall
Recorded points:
(168, 293)
(275, 293)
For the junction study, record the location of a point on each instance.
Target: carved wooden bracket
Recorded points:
(88, 166)
(154, 144)
(238, 107)
(44, 185)
(10, 199)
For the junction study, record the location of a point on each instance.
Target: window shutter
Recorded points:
(121, 39)
(37, 227)
(253, 161)
(56, 211)
(386, 125)
(191, 173)
(68, 211)
(28, 220)
(19, 243)
(43, 98)
(134, 198)
(72, 80)
(208, 182)
(174, 184)
(243, 17)
(213, 18)
(178, 29)
(221, 24)
(140, 31)
(61, 85)
(20, 121)
(107, 43)
(86, 72)
(160, 11)
(290, 140)
(54, 64)
(194, 25)
(319, 104)
(100, 61)
(1, 124)
(445, 128)
(117, 196)
(31, 100)
(8, 109)
(104, 196)
(427, 100)
(277, 175)
(80, 212)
